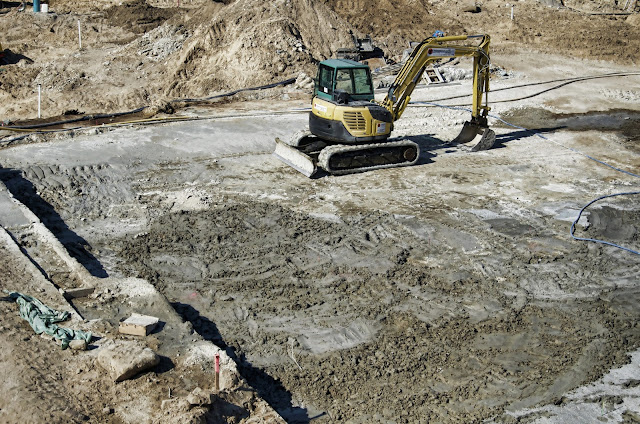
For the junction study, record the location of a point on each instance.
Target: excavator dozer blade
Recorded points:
(294, 158)
(470, 132)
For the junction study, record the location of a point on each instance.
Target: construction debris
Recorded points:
(363, 48)
(124, 359)
(138, 325)
(43, 320)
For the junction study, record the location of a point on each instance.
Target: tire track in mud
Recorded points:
(86, 191)
(467, 333)
(345, 314)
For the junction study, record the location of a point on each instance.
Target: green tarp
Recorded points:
(43, 319)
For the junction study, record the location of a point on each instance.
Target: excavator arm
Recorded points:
(435, 48)
(431, 50)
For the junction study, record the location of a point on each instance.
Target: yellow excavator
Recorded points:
(349, 131)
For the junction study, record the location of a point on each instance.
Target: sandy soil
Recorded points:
(450, 291)
(451, 287)
(141, 54)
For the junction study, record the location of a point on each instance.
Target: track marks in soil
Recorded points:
(87, 191)
(370, 324)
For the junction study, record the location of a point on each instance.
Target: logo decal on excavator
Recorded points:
(320, 108)
(441, 52)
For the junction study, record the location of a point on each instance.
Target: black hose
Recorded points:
(232, 93)
(140, 109)
(567, 82)
(69, 121)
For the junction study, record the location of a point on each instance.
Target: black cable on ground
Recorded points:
(566, 81)
(70, 121)
(233, 93)
(140, 109)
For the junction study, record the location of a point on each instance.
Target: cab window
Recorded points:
(362, 81)
(343, 80)
(325, 79)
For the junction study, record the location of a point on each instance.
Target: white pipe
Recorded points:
(79, 35)
(512, 13)
(39, 99)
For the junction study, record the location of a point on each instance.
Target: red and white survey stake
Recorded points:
(217, 372)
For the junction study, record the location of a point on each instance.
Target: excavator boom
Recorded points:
(431, 50)
(436, 48)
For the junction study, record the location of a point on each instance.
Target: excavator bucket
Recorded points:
(471, 131)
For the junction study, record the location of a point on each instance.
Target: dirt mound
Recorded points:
(137, 16)
(536, 26)
(249, 43)
(135, 54)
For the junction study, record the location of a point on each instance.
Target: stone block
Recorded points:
(200, 397)
(78, 292)
(78, 345)
(138, 325)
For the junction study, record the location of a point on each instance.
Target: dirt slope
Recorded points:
(137, 54)
(250, 43)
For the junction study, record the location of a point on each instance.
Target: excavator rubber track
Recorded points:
(344, 159)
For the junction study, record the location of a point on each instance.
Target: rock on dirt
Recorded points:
(200, 397)
(125, 359)
(78, 345)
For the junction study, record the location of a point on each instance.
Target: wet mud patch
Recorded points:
(623, 121)
(336, 318)
(614, 224)
(510, 227)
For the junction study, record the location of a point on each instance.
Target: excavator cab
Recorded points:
(342, 81)
(343, 110)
